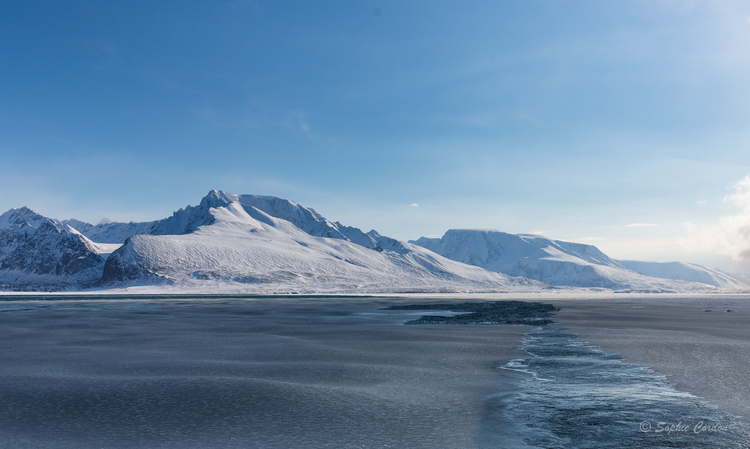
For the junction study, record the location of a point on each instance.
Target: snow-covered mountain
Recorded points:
(264, 244)
(688, 272)
(183, 221)
(268, 243)
(187, 220)
(304, 218)
(500, 251)
(39, 252)
(561, 263)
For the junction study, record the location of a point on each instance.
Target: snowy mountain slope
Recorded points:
(35, 250)
(302, 217)
(247, 245)
(187, 220)
(499, 251)
(551, 261)
(687, 272)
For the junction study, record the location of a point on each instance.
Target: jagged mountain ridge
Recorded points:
(304, 218)
(183, 221)
(246, 245)
(187, 220)
(562, 263)
(36, 250)
(109, 232)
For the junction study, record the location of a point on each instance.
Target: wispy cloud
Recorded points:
(589, 239)
(253, 117)
(414, 205)
(298, 120)
(641, 225)
(731, 236)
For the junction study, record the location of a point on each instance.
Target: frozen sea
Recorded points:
(308, 372)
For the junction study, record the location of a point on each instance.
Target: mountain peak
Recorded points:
(17, 217)
(217, 198)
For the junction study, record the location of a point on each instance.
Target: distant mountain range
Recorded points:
(559, 263)
(264, 244)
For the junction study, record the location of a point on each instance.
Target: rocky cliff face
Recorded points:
(44, 251)
(124, 264)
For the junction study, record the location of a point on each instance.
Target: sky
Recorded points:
(621, 124)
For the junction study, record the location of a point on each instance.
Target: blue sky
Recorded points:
(574, 119)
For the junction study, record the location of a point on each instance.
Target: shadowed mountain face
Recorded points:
(35, 250)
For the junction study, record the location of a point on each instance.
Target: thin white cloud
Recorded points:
(589, 239)
(468, 120)
(731, 236)
(414, 205)
(641, 225)
(298, 120)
